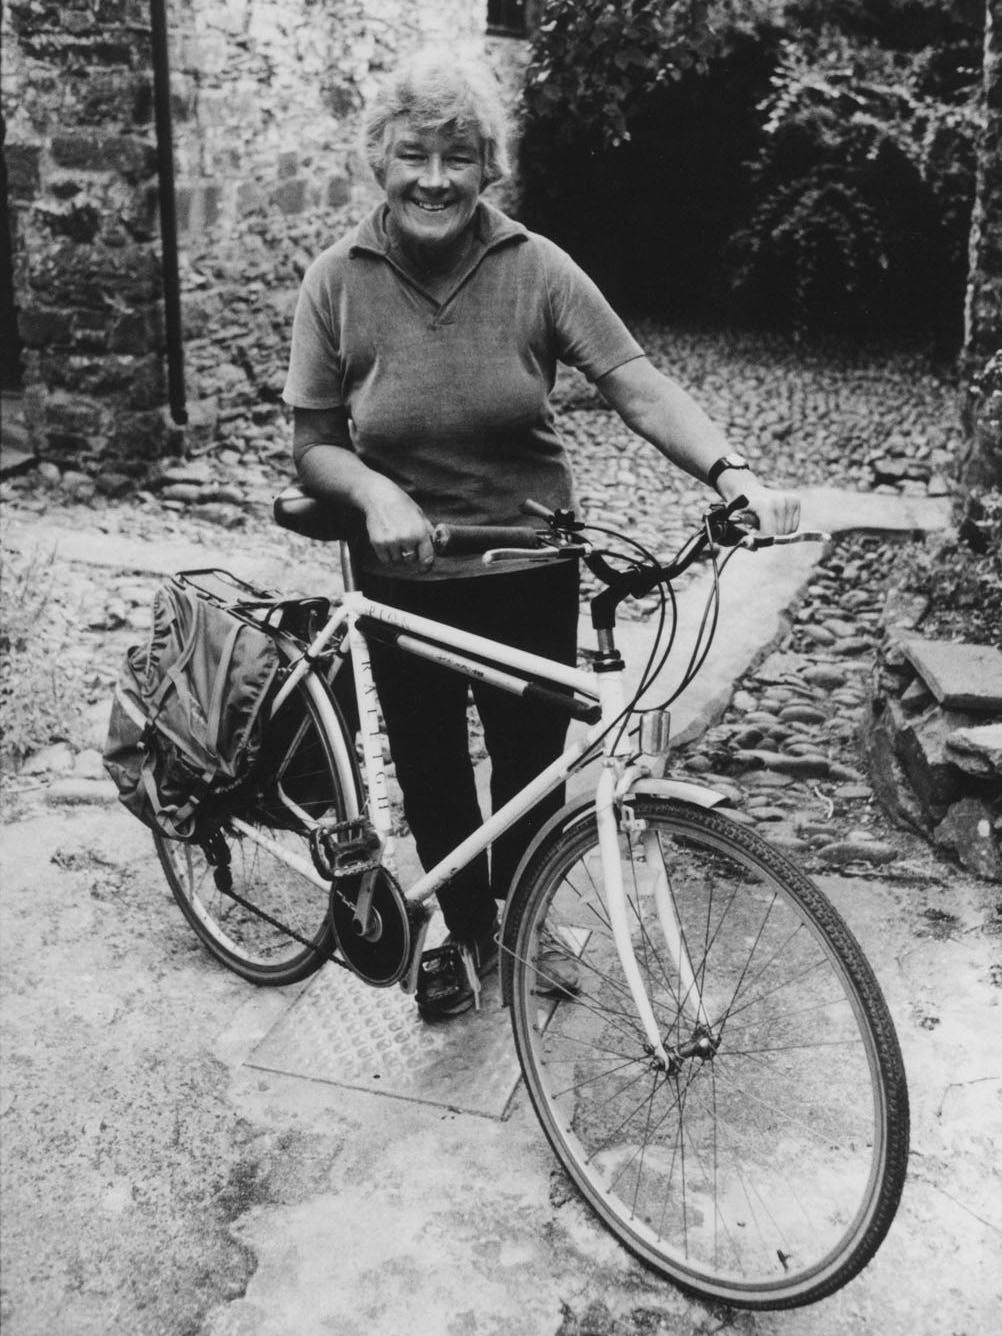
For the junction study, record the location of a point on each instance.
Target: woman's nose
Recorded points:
(433, 176)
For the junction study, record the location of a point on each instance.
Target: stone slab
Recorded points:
(961, 677)
(841, 511)
(979, 750)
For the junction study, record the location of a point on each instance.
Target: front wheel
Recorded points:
(251, 892)
(764, 1167)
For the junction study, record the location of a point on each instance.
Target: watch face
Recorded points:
(736, 461)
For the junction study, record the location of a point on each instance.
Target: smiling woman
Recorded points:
(424, 348)
(433, 180)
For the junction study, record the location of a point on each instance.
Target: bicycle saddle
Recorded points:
(323, 520)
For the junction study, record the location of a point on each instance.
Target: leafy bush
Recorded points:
(800, 164)
(639, 118)
(960, 575)
(594, 63)
(864, 186)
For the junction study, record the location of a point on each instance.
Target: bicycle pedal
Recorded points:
(346, 848)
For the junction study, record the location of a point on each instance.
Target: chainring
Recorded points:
(380, 952)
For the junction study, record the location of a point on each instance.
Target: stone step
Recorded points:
(960, 676)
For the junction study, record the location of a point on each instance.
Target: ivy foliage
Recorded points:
(594, 63)
(863, 187)
(801, 164)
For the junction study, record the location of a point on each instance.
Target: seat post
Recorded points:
(347, 567)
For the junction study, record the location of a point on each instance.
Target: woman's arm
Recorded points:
(328, 467)
(658, 409)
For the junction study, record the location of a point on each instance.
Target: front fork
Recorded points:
(614, 813)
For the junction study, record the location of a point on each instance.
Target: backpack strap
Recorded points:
(219, 686)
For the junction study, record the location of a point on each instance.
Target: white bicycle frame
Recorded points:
(617, 777)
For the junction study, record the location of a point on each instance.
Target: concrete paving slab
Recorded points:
(271, 567)
(437, 1223)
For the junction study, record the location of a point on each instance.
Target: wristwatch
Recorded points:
(725, 462)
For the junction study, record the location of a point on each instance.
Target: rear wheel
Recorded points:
(765, 1166)
(264, 919)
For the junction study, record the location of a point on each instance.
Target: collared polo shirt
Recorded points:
(450, 398)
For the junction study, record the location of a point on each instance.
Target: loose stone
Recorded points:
(802, 714)
(850, 792)
(856, 851)
(825, 677)
(854, 645)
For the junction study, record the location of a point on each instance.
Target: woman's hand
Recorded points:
(396, 526)
(777, 512)
(328, 467)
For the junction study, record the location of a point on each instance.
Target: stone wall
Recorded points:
(81, 162)
(266, 99)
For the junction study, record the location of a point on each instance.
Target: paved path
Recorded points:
(440, 1222)
(385, 1215)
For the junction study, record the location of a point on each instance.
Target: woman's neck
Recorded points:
(432, 262)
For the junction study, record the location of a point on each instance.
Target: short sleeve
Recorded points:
(314, 377)
(589, 334)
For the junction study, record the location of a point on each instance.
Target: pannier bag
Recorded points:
(190, 705)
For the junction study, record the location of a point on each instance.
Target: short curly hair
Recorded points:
(435, 89)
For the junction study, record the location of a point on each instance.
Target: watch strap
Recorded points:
(720, 465)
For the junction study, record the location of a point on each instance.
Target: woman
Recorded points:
(424, 347)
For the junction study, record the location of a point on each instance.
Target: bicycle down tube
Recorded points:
(438, 640)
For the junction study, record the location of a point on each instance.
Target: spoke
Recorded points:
(824, 1004)
(597, 1150)
(792, 1048)
(752, 1097)
(805, 973)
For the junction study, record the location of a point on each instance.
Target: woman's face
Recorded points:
(433, 181)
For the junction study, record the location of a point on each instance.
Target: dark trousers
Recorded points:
(424, 709)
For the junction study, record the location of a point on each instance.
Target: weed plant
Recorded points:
(41, 696)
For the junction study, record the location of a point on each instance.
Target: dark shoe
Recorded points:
(558, 973)
(450, 975)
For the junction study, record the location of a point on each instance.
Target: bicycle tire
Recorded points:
(766, 1174)
(279, 931)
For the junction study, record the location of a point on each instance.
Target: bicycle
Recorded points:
(704, 1043)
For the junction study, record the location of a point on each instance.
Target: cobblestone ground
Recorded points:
(787, 747)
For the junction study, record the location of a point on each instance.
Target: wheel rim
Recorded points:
(753, 1171)
(255, 912)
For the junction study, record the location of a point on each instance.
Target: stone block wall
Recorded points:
(81, 161)
(268, 96)
(266, 102)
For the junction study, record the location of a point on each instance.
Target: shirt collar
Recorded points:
(494, 228)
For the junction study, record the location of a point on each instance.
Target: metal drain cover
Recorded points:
(343, 1032)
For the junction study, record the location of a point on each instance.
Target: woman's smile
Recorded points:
(433, 182)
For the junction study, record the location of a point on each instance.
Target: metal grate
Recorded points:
(345, 1033)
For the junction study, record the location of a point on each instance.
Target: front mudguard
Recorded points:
(581, 809)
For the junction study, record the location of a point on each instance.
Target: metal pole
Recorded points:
(168, 213)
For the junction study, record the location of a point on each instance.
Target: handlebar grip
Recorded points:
(457, 540)
(754, 541)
